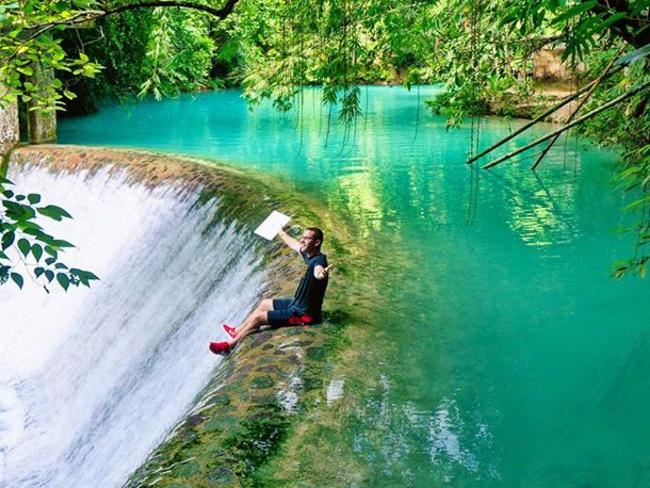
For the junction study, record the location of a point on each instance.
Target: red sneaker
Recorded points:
(231, 331)
(220, 347)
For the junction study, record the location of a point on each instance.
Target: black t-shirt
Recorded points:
(309, 295)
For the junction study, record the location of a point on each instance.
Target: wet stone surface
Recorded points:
(241, 418)
(262, 382)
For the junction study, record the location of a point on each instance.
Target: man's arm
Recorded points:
(289, 241)
(321, 273)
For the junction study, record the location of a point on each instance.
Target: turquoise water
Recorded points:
(505, 355)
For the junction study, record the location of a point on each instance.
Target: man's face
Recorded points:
(308, 243)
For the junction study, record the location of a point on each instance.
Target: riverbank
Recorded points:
(269, 383)
(544, 96)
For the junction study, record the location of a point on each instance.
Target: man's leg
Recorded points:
(264, 306)
(281, 311)
(269, 312)
(256, 319)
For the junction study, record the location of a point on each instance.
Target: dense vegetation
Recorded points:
(481, 51)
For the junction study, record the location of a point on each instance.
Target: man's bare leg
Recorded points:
(256, 319)
(265, 305)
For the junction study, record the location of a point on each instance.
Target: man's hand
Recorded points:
(321, 273)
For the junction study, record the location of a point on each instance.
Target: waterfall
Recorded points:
(93, 379)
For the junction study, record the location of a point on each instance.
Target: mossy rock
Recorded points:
(261, 382)
(221, 399)
(221, 475)
(220, 423)
(187, 469)
(316, 353)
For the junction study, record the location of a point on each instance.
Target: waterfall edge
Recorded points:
(264, 388)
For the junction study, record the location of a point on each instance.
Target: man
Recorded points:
(304, 308)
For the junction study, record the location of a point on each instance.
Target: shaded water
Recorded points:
(503, 352)
(92, 380)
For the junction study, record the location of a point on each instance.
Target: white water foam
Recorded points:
(93, 379)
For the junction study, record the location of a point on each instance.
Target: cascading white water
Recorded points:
(92, 380)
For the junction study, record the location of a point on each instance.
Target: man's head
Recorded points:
(311, 240)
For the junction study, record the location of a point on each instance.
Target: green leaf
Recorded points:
(24, 246)
(34, 198)
(51, 252)
(17, 279)
(58, 243)
(8, 239)
(635, 56)
(37, 251)
(574, 11)
(18, 211)
(27, 71)
(54, 212)
(3, 255)
(63, 280)
(84, 276)
(49, 274)
(38, 271)
(90, 275)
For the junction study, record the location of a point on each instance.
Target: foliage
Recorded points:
(25, 47)
(25, 243)
(339, 44)
(179, 53)
(480, 50)
(120, 44)
(24, 42)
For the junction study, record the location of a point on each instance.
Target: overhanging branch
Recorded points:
(220, 13)
(89, 15)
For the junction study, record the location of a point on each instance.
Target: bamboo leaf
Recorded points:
(574, 11)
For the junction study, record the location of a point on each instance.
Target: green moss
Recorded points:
(187, 469)
(255, 441)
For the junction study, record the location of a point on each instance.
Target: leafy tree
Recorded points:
(179, 53)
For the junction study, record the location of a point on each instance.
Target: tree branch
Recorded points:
(88, 15)
(587, 116)
(580, 105)
(221, 13)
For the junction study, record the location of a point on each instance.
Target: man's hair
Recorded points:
(318, 234)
